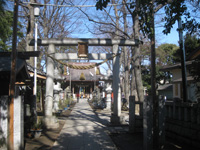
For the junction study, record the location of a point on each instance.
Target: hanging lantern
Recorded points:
(82, 49)
(82, 76)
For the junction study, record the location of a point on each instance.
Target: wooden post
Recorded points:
(43, 103)
(12, 79)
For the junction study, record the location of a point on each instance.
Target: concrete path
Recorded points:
(83, 131)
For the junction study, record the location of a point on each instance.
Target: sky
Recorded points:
(171, 38)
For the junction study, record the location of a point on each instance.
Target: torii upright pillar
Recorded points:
(116, 115)
(50, 120)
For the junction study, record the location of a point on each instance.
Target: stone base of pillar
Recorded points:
(55, 106)
(51, 122)
(108, 105)
(116, 120)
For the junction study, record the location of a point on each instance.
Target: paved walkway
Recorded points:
(83, 131)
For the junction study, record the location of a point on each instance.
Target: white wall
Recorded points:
(3, 121)
(18, 122)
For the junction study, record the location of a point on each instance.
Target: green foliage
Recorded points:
(195, 72)
(146, 78)
(37, 126)
(174, 10)
(64, 103)
(160, 76)
(146, 20)
(165, 54)
(6, 29)
(191, 43)
(102, 4)
(2, 5)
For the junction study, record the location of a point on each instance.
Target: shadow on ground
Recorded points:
(48, 137)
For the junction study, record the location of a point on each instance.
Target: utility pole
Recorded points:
(12, 80)
(30, 31)
(183, 66)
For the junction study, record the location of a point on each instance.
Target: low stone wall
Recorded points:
(135, 116)
(183, 122)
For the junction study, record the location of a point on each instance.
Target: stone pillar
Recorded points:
(198, 112)
(108, 98)
(161, 122)
(90, 92)
(18, 123)
(115, 117)
(74, 94)
(147, 124)
(50, 120)
(131, 114)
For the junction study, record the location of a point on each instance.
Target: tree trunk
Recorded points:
(123, 65)
(136, 57)
(153, 83)
(126, 59)
(133, 85)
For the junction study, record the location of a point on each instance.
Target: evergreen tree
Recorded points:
(6, 27)
(6, 21)
(191, 43)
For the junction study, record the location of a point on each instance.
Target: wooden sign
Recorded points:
(82, 49)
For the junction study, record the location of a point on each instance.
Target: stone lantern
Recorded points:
(108, 82)
(56, 90)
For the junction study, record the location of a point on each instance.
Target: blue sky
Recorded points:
(171, 38)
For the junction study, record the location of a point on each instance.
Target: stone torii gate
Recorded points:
(52, 43)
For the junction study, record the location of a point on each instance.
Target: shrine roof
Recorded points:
(89, 74)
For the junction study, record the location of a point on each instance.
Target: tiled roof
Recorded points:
(39, 71)
(175, 66)
(21, 68)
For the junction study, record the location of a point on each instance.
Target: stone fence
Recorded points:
(177, 120)
(135, 115)
(183, 122)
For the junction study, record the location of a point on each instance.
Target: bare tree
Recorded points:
(112, 22)
(53, 22)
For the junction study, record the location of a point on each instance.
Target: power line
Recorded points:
(54, 5)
